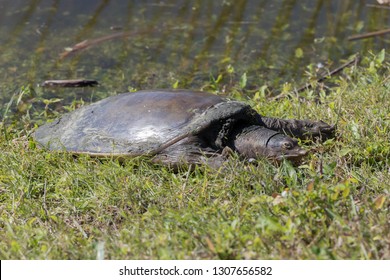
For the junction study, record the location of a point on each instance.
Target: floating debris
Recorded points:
(93, 42)
(70, 83)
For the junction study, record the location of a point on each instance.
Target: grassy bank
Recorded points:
(334, 206)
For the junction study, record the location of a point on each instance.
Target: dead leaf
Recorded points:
(277, 200)
(210, 245)
(379, 201)
(310, 186)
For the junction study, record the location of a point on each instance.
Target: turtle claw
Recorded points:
(318, 130)
(324, 131)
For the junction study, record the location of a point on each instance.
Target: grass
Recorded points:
(334, 206)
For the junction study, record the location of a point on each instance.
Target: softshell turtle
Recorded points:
(177, 126)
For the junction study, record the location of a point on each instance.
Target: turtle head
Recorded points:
(260, 142)
(281, 147)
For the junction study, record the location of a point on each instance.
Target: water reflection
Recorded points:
(187, 40)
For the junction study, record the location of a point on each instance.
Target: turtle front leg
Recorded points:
(303, 129)
(191, 153)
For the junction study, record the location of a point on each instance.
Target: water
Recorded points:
(183, 43)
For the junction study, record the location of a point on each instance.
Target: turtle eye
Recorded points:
(286, 146)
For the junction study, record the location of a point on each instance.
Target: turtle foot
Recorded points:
(318, 130)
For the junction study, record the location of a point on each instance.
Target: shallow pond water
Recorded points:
(178, 43)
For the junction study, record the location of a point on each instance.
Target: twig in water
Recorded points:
(369, 35)
(70, 83)
(93, 42)
(378, 6)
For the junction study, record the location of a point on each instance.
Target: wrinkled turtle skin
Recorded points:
(177, 126)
